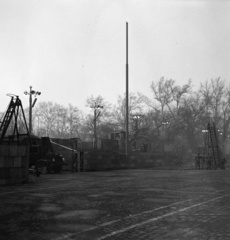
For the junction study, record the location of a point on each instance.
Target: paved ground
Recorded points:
(125, 204)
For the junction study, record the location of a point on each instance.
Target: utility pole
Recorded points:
(96, 116)
(31, 105)
(127, 93)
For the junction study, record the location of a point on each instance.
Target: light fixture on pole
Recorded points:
(164, 124)
(31, 105)
(136, 118)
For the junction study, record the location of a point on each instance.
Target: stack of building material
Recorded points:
(14, 164)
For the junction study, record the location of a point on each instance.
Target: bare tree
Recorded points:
(55, 120)
(119, 110)
(162, 91)
(101, 115)
(74, 119)
(165, 92)
(193, 119)
(47, 114)
(213, 93)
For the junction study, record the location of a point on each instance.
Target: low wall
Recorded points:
(14, 164)
(99, 161)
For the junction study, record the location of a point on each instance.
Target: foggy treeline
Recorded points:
(173, 114)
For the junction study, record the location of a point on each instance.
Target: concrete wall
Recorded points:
(14, 164)
(65, 146)
(99, 161)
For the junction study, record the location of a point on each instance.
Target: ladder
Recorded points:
(213, 146)
(12, 111)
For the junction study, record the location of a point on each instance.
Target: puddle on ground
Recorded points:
(157, 200)
(60, 179)
(73, 227)
(108, 193)
(95, 195)
(80, 214)
(41, 194)
(111, 193)
(49, 208)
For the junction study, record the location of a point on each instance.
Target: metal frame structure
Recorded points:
(13, 113)
(212, 150)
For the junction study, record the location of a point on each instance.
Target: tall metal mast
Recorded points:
(127, 93)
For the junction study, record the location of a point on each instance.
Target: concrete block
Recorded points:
(98, 161)
(19, 173)
(18, 180)
(5, 150)
(9, 181)
(2, 162)
(139, 161)
(15, 175)
(11, 161)
(21, 151)
(25, 162)
(15, 181)
(12, 173)
(8, 162)
(113, 165)
(25, 180)
(25, 173)
(114, 161)
(4, 173)
(87, 168)
(99, 167)
(148, 160)
(2, 181)
(13, 151)
(17, 162)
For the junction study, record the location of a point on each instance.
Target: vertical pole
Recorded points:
(30, 111)
(95, 127)
(127, 93)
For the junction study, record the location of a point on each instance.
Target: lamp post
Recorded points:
(136, 118)
(164, 135)
(164, 123)
(96, 116)
(31, 105)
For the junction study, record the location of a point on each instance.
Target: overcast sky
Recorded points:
(72, 49)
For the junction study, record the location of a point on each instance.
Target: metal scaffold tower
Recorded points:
(212, 149)
(11, 118)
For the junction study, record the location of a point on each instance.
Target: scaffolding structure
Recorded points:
(12, 119)
(212, 150)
